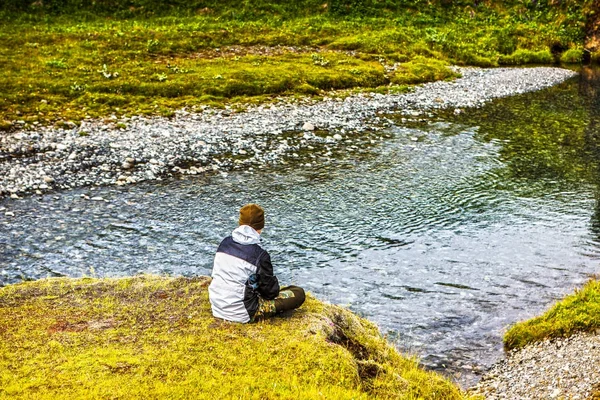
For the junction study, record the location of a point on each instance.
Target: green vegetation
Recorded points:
(524, 56)
(154, 337)
(575, 313)
(68, 59)
(572, 56)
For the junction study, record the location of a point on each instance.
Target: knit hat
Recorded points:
(252, 215)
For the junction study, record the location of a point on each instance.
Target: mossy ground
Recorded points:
(579, 312)
(154, 337)
(65, 60)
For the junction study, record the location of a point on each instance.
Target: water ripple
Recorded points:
(436, 240)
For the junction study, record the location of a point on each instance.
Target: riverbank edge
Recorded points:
(542, 351)
(140, 149)
(89, 337)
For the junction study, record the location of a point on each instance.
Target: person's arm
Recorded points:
(268, 285)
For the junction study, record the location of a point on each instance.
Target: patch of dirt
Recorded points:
(338, 336)
(367, 369)
(79, 326)
(119, 367)
(102, 324)
(258, 50)
(65, 326)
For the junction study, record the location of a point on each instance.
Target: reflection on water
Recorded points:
(443, 241)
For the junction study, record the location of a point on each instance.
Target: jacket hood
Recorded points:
(245, 234)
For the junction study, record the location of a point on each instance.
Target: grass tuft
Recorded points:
(525, 56)
(422, 70)
(575, 313)
(154, 337)
(572, 56)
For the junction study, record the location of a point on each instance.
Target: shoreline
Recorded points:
(560, 368)
(555, 355)
(136, 149)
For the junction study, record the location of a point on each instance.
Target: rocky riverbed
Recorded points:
(124, 150)
(566, 368)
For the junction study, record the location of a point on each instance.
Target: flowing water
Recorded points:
(443, 234)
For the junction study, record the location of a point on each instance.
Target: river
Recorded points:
(443, 233)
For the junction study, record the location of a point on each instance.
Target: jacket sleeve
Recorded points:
(268, 285)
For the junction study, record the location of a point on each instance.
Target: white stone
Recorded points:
(308, 126)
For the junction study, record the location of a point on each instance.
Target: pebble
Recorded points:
(564, 368)
(308, 126)
(262, 131)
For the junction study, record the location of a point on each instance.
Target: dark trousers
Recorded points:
(290, 297)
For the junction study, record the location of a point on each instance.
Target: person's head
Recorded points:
(252, 215)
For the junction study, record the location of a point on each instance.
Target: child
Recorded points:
(243, 287)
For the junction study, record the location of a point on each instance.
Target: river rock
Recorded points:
(308, 126)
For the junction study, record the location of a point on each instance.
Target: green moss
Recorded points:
(525, 56)
(575, 313)
(5, 125)
(154, 337)
(422, 70)
(572, 56)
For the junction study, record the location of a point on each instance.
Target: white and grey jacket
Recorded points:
(232, 296)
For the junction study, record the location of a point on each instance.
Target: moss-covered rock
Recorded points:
(154, 337)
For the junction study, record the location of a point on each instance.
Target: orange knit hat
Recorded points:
(252, 215)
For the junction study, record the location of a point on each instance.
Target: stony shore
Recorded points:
(565, 368)
(124, 150)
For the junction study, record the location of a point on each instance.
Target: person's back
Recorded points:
(244, 287)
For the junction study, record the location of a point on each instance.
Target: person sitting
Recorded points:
(244, 288)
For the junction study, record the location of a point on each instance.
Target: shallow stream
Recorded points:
(443, 234)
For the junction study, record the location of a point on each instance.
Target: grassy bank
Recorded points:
(153, 337)
(65, 60)
(579, 312)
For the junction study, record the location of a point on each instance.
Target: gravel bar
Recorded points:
(566, 368)
(129, 150)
